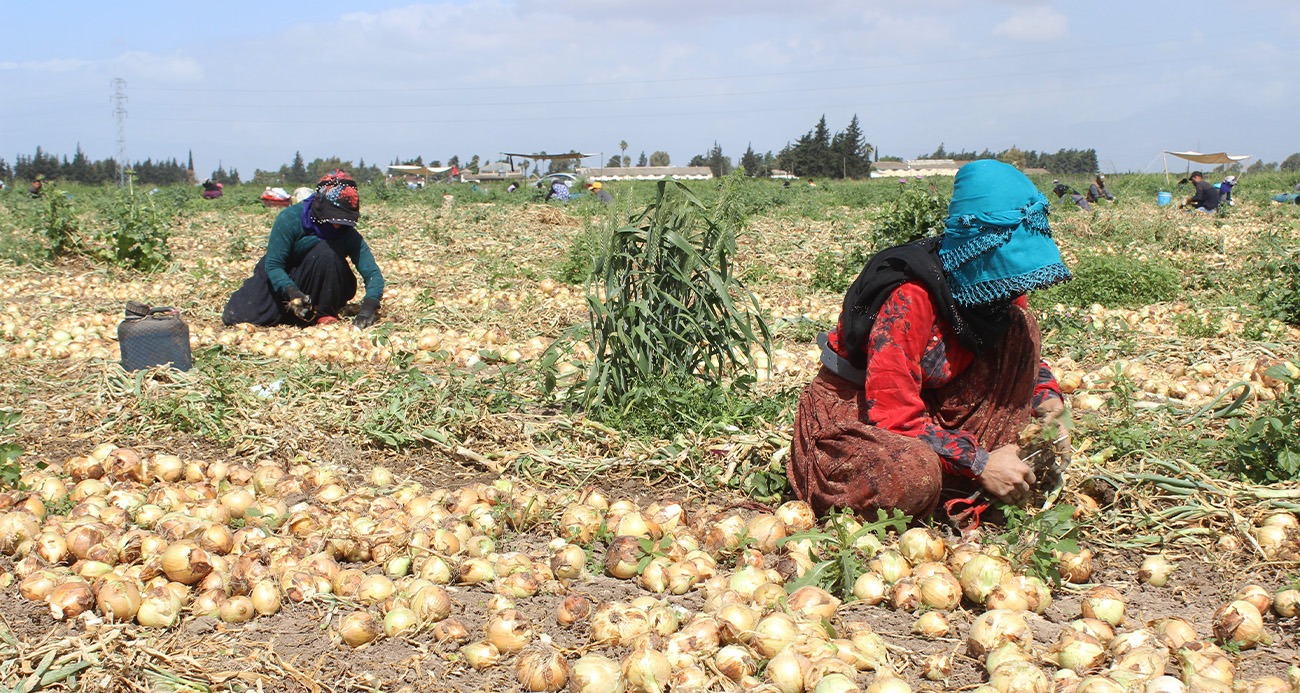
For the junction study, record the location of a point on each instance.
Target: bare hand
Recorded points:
(1053, 413)
(1007, 478)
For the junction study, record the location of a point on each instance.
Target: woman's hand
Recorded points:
(1006, 477)
(1053, 413)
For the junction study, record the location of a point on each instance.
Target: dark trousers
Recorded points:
(323, 274)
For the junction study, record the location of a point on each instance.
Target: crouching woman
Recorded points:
(934, 367)
(304, 276)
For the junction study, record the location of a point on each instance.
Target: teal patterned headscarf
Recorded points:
(997, 243)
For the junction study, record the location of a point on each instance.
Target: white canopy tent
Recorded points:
(1215, 159)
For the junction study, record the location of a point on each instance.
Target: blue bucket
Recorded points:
(1163, 198)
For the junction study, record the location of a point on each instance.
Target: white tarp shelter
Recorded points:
(418, 170)
(1215, 159)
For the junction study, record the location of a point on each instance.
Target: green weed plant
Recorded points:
(844, 553)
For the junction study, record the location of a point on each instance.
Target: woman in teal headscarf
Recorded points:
(934, 367)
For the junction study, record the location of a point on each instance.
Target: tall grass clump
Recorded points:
(137, 232)
(1114, 281)
(919, 212)
(666, 310)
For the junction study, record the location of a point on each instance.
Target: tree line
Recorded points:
(81, 169)
(818, 153)
(1064, 161)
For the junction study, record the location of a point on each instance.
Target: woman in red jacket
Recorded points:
(934, 367)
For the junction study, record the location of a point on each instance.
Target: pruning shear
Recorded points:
(972, 512)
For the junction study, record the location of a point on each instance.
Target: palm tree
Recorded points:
(623, 146)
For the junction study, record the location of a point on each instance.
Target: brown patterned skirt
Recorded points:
(837, 460)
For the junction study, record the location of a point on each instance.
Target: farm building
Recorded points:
(647, 173)
(916, 167)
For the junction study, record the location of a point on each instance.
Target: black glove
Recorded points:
(300, 304)
(368, 314)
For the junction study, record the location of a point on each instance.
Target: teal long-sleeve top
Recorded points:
(290, 242)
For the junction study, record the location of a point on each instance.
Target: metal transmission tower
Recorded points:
(119, 112)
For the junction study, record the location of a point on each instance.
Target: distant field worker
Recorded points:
(304, 278)
(934, 367)
(598, 190)
(211, 190)
(38, 186)
(559, 190)
(1098, 190)
(1204, 197)
(1225, 190)
(1063, 192)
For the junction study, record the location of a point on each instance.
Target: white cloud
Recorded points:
(1033, 24)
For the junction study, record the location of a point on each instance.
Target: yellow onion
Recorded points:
(509, 631)
(166, 467)
(1258, 598)
(616, 623)
(38, 585)
(870, 588)
(266, 597)
(1104, 604)
(1267, 684)
(541, 670)
(940, 591)
(450, 630)
(1145, 663)
(937, 666)
(375, 589)
(431, 604)
(905, 595)
(572, 609)
(766, 531)
(1006, 652)
(159, 607)
(1075, 568)
(569, 561)
(1100, 684)
(480, 655)
(1202, 659)
(1156, 570)
(70, 599)
(646, 670)
(883, 684)
(870, 649)
(1100, 630)
(595, 673)
(994, 628)
(1076, 651)
(823, 666)
(797, 515)
(1007, 595)
(185, 562)
(891, 566)
(813, 602)
(736, 622)
(839, 683)
(1287, 603)
(15, 529)
(237, 609)
(622, 557)
(772, 633)
(1019, 677)
(931, 624)
(735, 662)
(118, 599)
(400, 621)
(787, 670)
(1165, 684)
(1239, 624)
(981, 574)
(921, 545)
(359, 628)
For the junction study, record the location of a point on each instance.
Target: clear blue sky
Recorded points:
(248, 84)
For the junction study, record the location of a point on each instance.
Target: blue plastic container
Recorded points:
(1163, 198)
